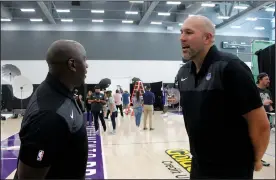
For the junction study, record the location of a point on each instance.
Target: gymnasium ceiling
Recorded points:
(223, 14)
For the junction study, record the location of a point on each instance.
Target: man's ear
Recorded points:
(71, 65)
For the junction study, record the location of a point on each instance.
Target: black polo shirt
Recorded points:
(53, 132)
(213, 102)
(97, 106)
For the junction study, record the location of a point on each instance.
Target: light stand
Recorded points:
(21, 89)
(10, 77)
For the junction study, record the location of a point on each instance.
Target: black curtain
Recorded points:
(266, 62)
(156, 89)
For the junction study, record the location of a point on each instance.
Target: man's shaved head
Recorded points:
(197, 36)
(202, 22)
(67, 60)
(63, 50)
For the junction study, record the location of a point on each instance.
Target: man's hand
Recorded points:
(258, 165)
(267, 102)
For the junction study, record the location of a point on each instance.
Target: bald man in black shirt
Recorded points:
(221, 107)
(53, 133)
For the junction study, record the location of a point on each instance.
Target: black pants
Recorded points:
(113, 117)
(88, 115)
(121, 109)
(96, 116)
(206, 171)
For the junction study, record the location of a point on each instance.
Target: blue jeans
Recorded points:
(138, 114)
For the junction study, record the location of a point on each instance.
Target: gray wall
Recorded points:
(32, 45)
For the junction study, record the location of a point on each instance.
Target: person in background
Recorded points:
(149, 100)
(126, 100)
(118, 102)
(81, 103)
(112, 109)
(105, 105)
(107, 110)
(97, 102)
(263, 83)
(88, 107)
(138, 107)
(76, 94)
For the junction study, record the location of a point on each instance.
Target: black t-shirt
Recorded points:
(265, 94)
(53, 132)
(97, 106)
(213, 102)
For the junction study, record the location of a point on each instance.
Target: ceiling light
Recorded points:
(180, 24)
(127, 21)
(252, 19)
(131, 12)
(270, 9)
(259, 28)
(164, 14)
(5, 19)
(173, 2)
(63, 10)
(97, 20)
(208, 4)
(66, 20)
(36, 20)
(153, 22)
(136, 1)
(235, 27)
(223, 17)
(27, 10)
(240, 7)
(97, 11)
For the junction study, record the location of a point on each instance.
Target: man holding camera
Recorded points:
(97, 102)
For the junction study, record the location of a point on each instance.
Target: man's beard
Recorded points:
(190, 55)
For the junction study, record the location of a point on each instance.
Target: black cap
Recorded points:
(97, 87)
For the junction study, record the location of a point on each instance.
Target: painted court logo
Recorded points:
(40, 155)
(182, 157)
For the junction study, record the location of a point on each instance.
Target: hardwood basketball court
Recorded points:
(131, 153)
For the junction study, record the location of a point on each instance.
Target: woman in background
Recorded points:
(118, 102)
(126, 101)
(112, 108)
(105, 105)
(88, 107)
(137, 107)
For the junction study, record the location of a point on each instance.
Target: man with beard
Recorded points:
(263, 84)
(53, 134)
(221, 106)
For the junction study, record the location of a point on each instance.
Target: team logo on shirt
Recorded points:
(208, 77)
(40, 155)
